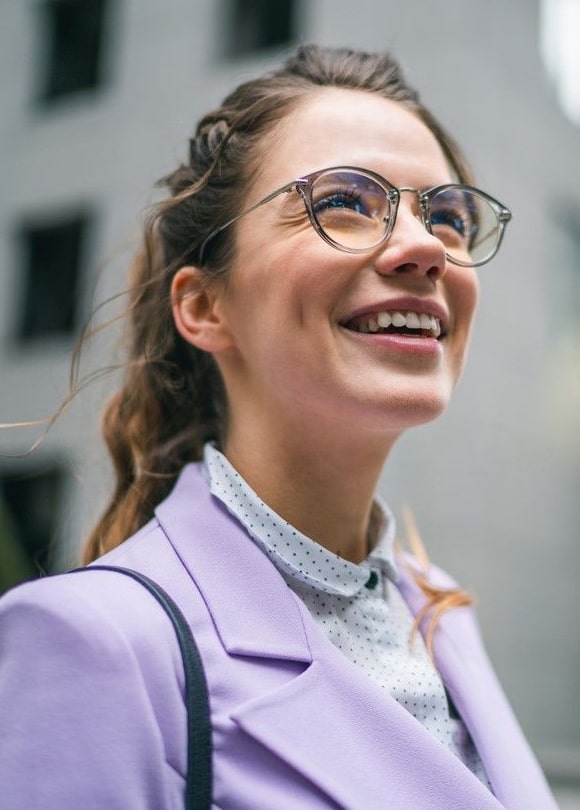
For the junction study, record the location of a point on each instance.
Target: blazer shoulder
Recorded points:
(99, 605)
(97, 653)
(101, 613)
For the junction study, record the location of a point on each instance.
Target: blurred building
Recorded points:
(98, 100)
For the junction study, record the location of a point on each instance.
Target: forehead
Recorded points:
(337, 127)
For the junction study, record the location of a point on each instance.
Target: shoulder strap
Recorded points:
(198, 788)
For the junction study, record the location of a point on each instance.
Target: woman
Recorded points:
(304, 296)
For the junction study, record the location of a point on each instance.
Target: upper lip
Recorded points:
(403, 304)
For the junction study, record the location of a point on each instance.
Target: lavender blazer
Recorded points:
(91, 690)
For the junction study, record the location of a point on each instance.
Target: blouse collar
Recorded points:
(293, 553)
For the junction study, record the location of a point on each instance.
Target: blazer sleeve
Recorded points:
(78, 727)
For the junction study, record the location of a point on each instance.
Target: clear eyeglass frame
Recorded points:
(304, 186)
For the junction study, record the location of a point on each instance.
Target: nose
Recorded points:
(411, 249)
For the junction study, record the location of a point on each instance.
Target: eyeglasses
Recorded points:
(355, 211)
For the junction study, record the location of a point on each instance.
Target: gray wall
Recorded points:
(494, 483)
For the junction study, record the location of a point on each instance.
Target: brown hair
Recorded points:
(172, 399)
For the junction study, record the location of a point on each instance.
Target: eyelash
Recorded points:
(348, 196)
(466, 226)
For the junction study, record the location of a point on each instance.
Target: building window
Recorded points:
(29, 516)
(259, 24)
(559, 29)
(72, 32)
(53, 256)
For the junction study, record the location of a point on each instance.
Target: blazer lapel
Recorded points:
(255, 613)
(462, 662)
(357, 744)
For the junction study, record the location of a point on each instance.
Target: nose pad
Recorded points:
(411, 248)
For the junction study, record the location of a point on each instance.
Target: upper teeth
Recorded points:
(410, 320)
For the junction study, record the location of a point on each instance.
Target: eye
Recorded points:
(348, 199)
(350, 208)
(452, 216)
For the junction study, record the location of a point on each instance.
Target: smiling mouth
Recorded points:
(406, 324)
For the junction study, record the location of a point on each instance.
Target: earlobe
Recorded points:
(197, 312)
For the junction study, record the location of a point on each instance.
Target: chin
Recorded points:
(410, 409)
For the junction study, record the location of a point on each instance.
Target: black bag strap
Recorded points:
(198, 787)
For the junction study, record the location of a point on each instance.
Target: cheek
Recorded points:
(259, 307)
(472, 297)
(281, 281)
(466, 306)
(465, 296)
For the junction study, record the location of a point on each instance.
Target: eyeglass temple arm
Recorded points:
(287, 188)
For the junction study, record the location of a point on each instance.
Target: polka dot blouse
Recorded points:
(359, 607)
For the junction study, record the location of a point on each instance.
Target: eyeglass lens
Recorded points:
(355, 212)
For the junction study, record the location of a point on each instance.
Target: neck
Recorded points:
(322, 485)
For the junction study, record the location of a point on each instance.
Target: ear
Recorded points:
(197, 311)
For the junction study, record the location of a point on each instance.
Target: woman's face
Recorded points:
(299, 311)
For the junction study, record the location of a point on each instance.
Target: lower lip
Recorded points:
(412, 345)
